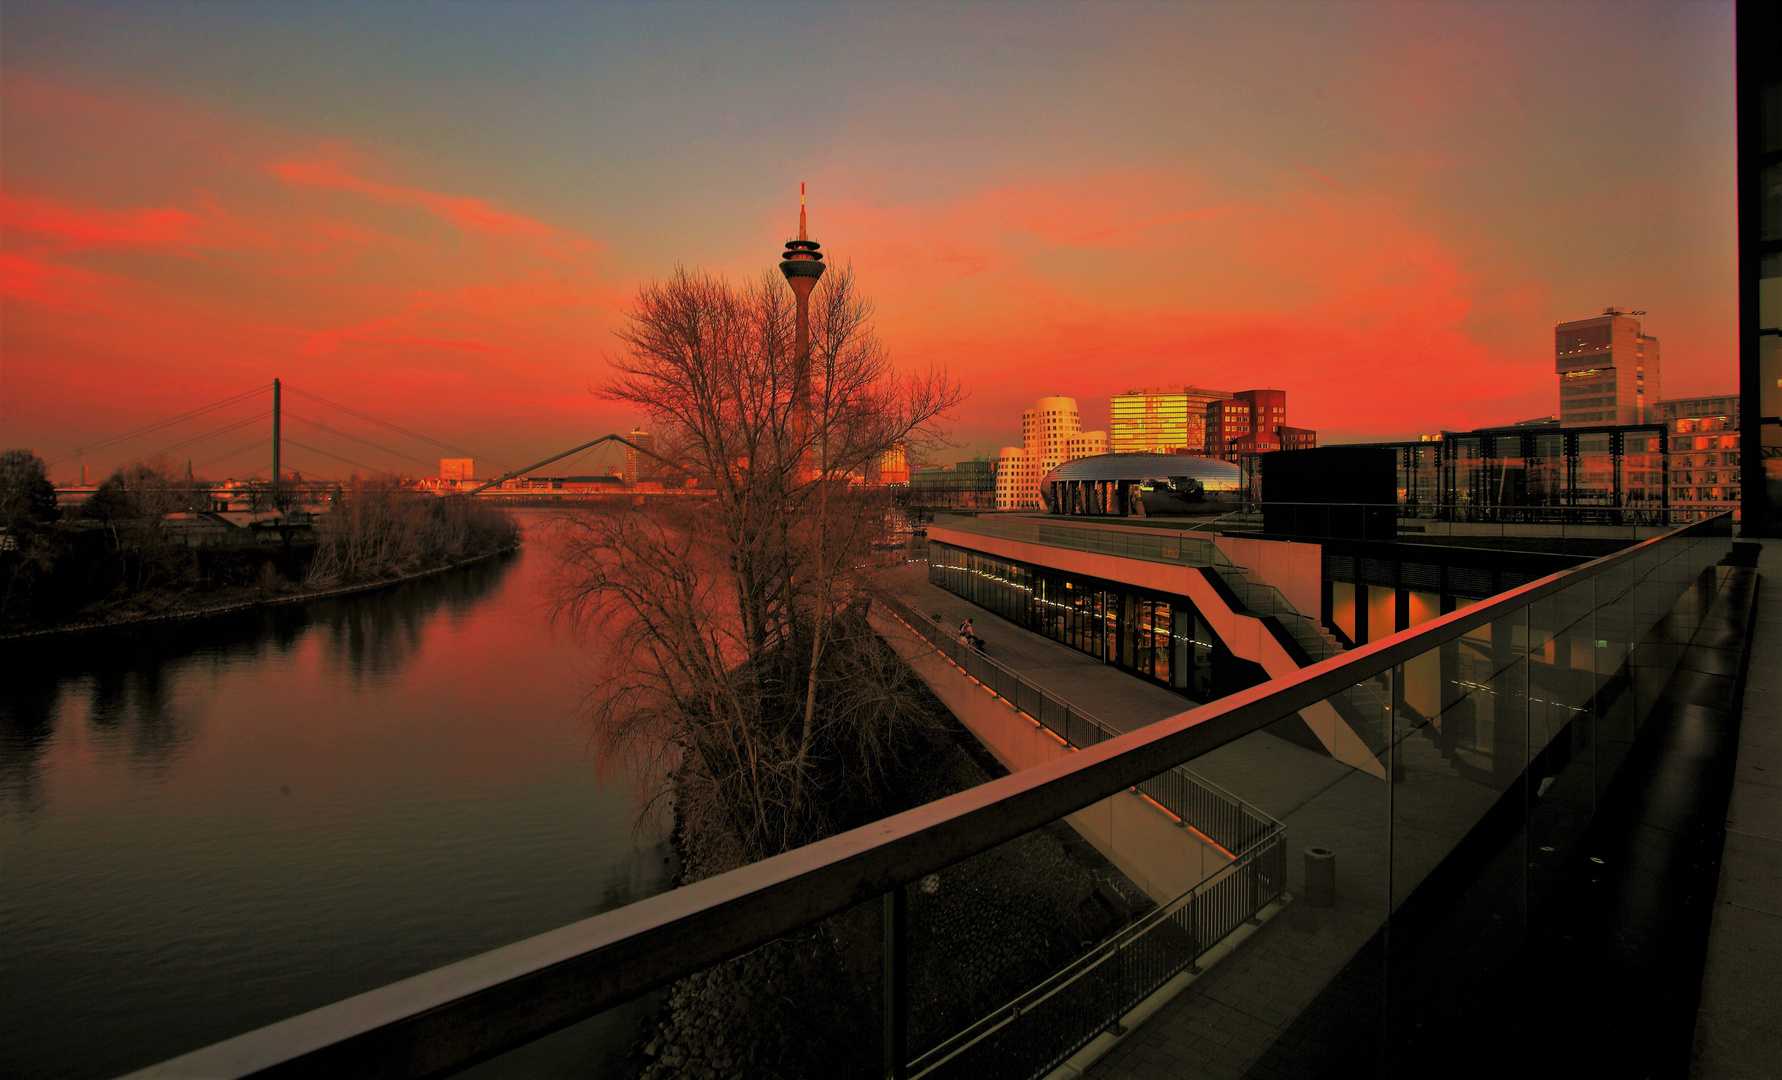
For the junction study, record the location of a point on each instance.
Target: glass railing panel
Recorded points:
(1004, 963)
(1562, 779)
(1057, 935)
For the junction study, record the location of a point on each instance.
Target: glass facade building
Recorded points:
(1608, 370)
(1161, 420)
(1619, 475)
(1157, 635)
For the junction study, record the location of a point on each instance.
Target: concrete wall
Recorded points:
(1133, 833)
(1243, 634)
(1296, 568)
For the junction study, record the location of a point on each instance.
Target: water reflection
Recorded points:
(126, 683)
(213, 826)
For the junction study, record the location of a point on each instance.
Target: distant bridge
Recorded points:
(274, 440)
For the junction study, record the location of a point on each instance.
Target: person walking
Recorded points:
(965, 634)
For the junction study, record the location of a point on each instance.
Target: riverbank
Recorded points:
(236, 605)
(808, 1006)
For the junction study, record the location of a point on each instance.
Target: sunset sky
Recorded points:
(435, 213)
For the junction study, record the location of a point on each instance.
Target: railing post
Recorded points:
(897, 990)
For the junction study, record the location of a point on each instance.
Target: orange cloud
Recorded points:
(330, 172)
(213, 270)
(1055, 289)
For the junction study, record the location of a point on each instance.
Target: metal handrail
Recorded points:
(457, 1015)
(1264, 888)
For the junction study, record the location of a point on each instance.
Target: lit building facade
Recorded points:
(1705, 454)
(1608, 370)
(967, 485)
(1298, 438)
(640, 466)
(892, 468)
(1161, 420)
(1051, 434)
(1253, 422)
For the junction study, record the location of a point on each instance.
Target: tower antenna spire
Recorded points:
(801, 232)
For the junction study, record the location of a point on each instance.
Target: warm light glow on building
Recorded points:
(1161, 420)
(1608, 370)
(1051, 434)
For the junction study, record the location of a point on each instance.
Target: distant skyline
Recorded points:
(436, 212)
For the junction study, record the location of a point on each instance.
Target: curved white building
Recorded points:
(1051, 434)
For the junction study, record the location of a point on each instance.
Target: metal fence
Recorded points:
(1043, 1027)
(1133, 542)
(1197, 802)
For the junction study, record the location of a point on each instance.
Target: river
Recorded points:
(210, 826)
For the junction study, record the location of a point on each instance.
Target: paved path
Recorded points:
(1231, 1016)
(1739, 1024)
(1116, 698)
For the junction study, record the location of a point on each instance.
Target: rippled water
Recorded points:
(212, 827)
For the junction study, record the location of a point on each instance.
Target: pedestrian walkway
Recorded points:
(1233, 1013)
(1254, 1014)
(1121, 701)
(1739, 1023)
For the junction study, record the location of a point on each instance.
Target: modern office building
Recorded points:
(1298, 438)
(1705, 454)
(966, 485)
(1760, 266)
(640, 466)
(1051, 434)
(1161, 420)
(892, 468)
(1608, 370)
(1724, 406)
(1253, 422)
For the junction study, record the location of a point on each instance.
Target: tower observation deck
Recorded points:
(802, 263)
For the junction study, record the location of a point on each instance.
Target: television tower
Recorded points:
(802, 264)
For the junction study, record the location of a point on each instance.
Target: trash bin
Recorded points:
(1320, 877)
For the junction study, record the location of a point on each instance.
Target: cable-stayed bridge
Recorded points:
(255, 437)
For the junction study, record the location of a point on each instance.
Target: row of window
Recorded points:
(1684, 461)
(1159, 636)
(1704, 494)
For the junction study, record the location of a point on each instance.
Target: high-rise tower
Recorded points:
(1608, 370)
(802, 264)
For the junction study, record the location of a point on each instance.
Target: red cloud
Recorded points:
(163, 228)
(146, 296)
(1058, 289)
(473, 214)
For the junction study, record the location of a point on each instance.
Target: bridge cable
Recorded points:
(196, 439)
(157, 425)
(385, 423)
(289, 415)
(257, 444)
(374, 470)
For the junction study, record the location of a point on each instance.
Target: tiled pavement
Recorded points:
(1739, 1023)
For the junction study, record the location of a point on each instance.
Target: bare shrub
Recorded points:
(378, 530)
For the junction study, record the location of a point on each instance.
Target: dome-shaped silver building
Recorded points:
(1136, 485)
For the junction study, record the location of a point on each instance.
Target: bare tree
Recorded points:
(739, 654)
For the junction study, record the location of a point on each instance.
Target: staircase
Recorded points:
(1367, 707)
